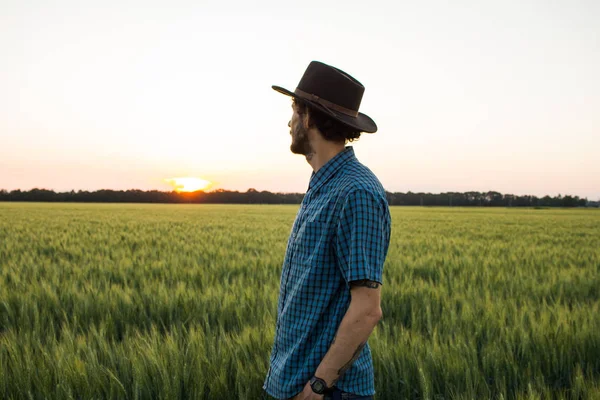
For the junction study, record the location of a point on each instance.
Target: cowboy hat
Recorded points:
(333, 92)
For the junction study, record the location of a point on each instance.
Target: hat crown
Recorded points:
(332, 84)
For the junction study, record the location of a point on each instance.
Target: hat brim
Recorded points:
(361, 122)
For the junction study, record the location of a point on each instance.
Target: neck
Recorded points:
(322, 152)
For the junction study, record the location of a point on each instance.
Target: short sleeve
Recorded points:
(362, 237)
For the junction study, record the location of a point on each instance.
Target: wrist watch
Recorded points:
(318, 385)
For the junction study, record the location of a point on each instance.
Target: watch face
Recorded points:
(318, 387)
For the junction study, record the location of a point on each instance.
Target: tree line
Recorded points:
(253, 196)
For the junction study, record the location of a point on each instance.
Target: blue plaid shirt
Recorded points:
(341, 234)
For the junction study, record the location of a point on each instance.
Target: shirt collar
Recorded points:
(331, 167)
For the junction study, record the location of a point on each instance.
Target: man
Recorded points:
(329, 300)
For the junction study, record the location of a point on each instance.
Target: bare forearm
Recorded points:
(351, 337)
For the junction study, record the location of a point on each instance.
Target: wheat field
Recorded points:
(110, 301)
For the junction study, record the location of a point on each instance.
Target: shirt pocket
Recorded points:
(312, 243)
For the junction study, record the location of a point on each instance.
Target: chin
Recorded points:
(300, 145)
(296, 148)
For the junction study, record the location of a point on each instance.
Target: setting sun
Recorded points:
(188, 184)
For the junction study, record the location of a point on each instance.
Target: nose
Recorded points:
(290, 123)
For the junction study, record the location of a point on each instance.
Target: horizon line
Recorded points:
(257, 190)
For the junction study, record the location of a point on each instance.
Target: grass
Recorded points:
(179, 302)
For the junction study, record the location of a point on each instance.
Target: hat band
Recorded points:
(326, 103)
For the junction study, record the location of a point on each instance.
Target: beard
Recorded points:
(300, 143)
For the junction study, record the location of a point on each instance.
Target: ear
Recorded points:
(306, 121)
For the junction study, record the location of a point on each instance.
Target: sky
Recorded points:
(467, 95)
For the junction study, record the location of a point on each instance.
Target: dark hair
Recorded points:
(330, 128)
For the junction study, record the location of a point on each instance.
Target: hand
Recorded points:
(308, 394)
